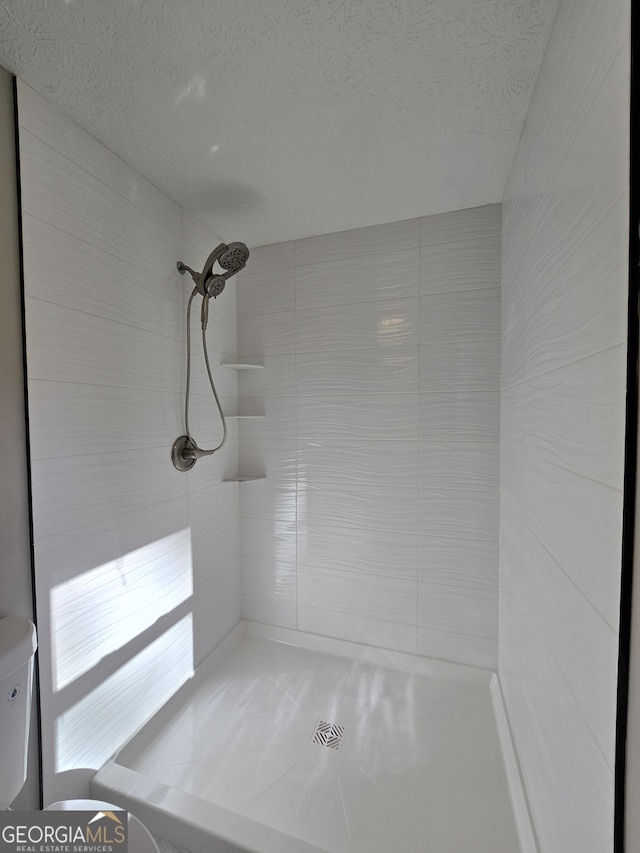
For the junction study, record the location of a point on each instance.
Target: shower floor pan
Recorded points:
(285, 742)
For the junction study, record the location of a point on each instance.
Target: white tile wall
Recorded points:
(113, 521)
(385, 275)
(565, 250)
(381, 349)
(378, 323)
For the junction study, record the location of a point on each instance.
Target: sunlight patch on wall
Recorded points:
(99, 611)
(99, 724)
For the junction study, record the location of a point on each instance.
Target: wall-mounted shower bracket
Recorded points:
(182, 453)
(185, 453)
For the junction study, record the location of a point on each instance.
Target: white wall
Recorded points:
(378, 520)
(137, 569)
(565, 250)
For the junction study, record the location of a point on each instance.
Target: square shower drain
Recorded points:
(328, 734)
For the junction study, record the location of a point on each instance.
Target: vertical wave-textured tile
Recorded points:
(389, 509)
(459, 512)
(71, 199)
(72, 491)
(220, 335)
(568, 781)
(370, 417)
(368, 370)
(585, 647)
(358, 462)
(472, 562)
(70, 346)
(269, 539)
(70, 418)
(280, 613)
(461, 317)
(207, 508)
(370, 596)
(586, 39)
(465, 265)
(105, 329)
(279, 419)
(394, 236)
(459, 416)
(460, 465)
(461, 648)
(397, 636)
(53, 128)
(269, 499)
(357, 550)
(276, 256)
(584, 540)
(457, 599)
(216, 573)
(360, 417)
(68, 554)
(97, 612)
(273, 458)
(266, 577)
(97, 282)
(580, 309)
(95, 727)
(574, 416)
(269, 591)
(563, 388)
(467, 365)
(456, 226)
(225, 380)
(205, 423)
(218, 611)
(260, 335)
(387, 322)
(277, 378)
(264, 292)
(222, 465)
(217, 544)
(388, 275)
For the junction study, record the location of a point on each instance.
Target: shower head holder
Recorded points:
(185, 453)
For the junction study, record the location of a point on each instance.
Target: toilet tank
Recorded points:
(17, 648)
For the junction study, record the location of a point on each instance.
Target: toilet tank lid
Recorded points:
(17, 644)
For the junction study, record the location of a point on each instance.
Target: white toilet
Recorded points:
(17, 648)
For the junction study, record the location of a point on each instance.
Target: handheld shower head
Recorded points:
(235, 258)
(232, 258)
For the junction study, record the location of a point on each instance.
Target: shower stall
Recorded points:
(385, 614)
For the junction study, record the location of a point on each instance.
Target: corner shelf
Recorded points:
(242, 478)
(245, 417)
(237, 366)
(234, 365)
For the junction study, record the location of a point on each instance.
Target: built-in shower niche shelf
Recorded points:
(244, 478)
(244, 417)
(239, 366)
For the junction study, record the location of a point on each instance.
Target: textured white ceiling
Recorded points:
(277, 119)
